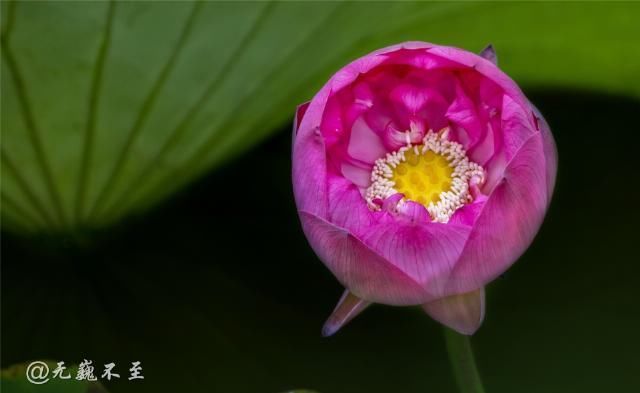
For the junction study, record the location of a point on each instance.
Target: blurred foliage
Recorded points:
(13, 380)
(300, 391)
(109, 107)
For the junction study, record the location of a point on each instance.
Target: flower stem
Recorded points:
(462, 362)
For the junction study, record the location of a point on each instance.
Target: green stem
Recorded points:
(462, 362)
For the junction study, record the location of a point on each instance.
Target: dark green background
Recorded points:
(216, 290)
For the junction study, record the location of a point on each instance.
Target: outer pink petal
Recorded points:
(517, 125)
(463, 313)
(309, 166)
(362, 271)
(310, 172)
(467, 214)
(351, 71)
(550, 152)
(347, 208)
(426, 252)
(508, 221)
(349, 306)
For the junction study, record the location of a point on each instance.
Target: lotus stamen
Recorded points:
(436, 174)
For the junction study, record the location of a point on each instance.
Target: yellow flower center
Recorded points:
(435, 174)
(422, 177)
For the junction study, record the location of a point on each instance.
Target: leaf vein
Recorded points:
(146, 108)
(177, 132)
(32, 129)
(96, 87)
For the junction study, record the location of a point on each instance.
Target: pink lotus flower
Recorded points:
(421, 173)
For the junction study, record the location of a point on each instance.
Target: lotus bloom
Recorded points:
(421, 173)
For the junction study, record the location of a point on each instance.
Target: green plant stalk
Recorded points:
(463, 362)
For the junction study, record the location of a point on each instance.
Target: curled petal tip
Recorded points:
(300, 111)
(463, 313)
(329, 329)
(489, 53)
(348, 307)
